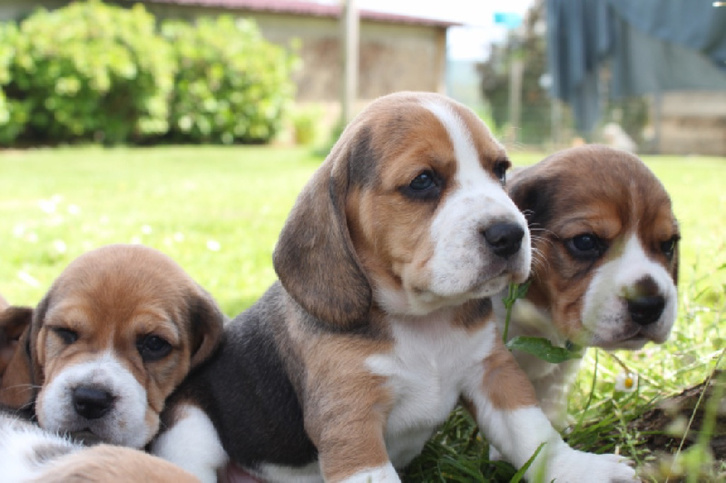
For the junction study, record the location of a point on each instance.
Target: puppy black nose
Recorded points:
(505, 239)
(91, 403)
(645, 310)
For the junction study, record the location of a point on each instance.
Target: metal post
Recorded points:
(350, 43)
(515, 97)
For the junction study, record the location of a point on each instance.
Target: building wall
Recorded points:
(693, 123)
(393, 57)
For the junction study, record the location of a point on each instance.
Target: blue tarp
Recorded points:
(650, 46)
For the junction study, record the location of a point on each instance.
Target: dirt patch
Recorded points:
(665, 426)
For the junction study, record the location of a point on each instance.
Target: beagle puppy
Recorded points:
(381, 320)
(116, 333)
(31, 454)
(605, 261)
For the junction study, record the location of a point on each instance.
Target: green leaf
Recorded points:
(520, 474)
(544, 349)
(514, 292)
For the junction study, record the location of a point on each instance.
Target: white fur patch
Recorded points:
(605, 315)
(26, 450)
(193, 444)
(286, 474)
(518, 433)
(124, 424)
(384, 474)
(426, 372)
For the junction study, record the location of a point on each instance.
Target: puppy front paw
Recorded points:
(382, 474)
(576, 466)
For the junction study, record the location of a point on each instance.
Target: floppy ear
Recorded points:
(205, 322)
(37, 354)
(16, 377)
(314, 256)
(532, 194)
(676, 260)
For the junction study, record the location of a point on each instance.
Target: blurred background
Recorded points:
(647, 76)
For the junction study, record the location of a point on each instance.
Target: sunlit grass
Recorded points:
(218, 210)
(215, 210)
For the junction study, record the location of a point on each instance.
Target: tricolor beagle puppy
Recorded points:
(31, 454)
(605, 260)
(116, 333)
(381, 319)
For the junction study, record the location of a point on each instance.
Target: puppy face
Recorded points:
(116, 333)
(417, 186)
(430, 219)
(606, 246)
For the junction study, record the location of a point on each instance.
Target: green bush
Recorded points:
(305, 122)
(87, 71)
(231, 86)
(13, 112)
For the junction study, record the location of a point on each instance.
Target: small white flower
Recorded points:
(626, 382)
(213, 245)
(103, 220)
(18, 230)
(74, 209)
(32, 237)
(47, 206)
(50, 205)
(178, 237)
(146, 230)
(136, 240)
(28, 278)
(60, 246)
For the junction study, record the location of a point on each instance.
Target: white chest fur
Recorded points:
(426, 371)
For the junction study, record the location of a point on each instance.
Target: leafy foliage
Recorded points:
(232, 85)
(87, 71)
(530, 47)
(95, 72)
(13, 112)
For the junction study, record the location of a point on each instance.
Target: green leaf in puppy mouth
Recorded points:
(543, 349)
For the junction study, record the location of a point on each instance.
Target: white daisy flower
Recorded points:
(626, 382)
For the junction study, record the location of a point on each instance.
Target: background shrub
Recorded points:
(231, 86)
(87, 71)
(13, 112)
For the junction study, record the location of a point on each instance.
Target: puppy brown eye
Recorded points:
(68, 336)
(425, 186)
(669, 247)
(586, 246)
(152, 348)
(500, 171)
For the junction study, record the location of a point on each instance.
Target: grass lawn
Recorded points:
(217, 211)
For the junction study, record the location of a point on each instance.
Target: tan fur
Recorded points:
(110, 297)
(16, 389)
(104, 463)
(503, 371)
(346, 412)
